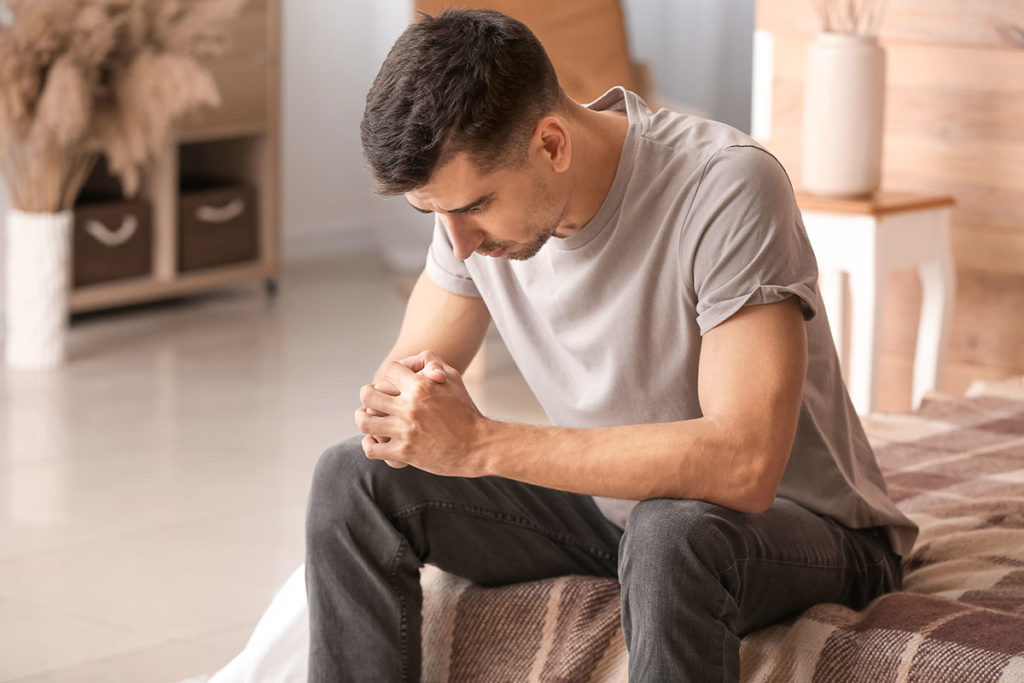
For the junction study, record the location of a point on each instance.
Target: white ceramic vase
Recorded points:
(37, 255)
(844, 110)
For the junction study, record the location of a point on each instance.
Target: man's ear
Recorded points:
(551, 138)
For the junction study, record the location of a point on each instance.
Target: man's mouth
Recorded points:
(496, 252)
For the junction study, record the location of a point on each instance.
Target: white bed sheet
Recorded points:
(278, 649)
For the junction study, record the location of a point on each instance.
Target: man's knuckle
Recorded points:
(418, 391)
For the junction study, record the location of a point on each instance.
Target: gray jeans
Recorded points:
(695, 576)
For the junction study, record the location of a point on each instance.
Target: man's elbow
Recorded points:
(760, 483)
(759, 500)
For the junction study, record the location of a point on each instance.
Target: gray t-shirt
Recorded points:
(606, 324)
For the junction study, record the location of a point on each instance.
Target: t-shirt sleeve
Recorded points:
(444, 269)
(752, 248)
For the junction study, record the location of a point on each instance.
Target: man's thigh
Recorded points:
(490, 530)
(773, 565)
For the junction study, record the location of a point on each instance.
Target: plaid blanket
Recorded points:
(956, 467)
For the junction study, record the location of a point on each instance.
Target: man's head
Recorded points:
(473, 81)
(450, 120)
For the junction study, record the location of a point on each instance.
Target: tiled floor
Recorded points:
(152, 492)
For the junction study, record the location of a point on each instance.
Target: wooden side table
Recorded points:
(863, 239)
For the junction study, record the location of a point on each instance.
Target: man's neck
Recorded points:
(598, 138)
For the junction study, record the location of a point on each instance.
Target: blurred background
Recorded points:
(153, 485)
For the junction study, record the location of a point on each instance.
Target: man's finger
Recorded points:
(375, 450)
(414, 363)
(435, 371)
(427, 363)
(398, 375)
(387, 387)
(372, 397)
(377, 403)
(371, 424)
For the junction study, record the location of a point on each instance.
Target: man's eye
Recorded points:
(476, 210)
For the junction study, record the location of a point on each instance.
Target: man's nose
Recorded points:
(465, 238)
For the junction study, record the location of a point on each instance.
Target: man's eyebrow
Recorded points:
(462, 209)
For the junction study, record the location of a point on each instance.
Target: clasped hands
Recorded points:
(418, 412)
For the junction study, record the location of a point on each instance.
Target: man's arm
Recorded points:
(751, 376)
(451, 325)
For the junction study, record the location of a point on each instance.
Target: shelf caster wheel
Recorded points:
(270, 287)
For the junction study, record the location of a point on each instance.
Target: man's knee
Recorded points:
(338, 465)
(664, 537)
(342, 471)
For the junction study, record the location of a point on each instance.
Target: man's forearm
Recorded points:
(734, 455)
(695, 459)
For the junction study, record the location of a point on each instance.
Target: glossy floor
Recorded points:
(152, 492)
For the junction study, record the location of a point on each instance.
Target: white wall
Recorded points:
(401, 234)
(332, 51)
(326, 70)
(700, 52)
(4, 204)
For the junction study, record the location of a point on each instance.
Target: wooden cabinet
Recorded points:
(213, 194)
(112, 241)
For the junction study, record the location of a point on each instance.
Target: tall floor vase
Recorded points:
(37, 255)
(844, 107)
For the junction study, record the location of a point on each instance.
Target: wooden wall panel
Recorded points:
(898, 370)
(954, 125)
(977, 23)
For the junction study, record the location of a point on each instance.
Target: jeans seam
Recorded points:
(498, 516)
(803, 565)
(403, 615)
(725, 632)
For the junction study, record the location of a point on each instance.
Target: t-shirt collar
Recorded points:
(616, 99)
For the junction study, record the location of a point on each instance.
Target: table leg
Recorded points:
(832, 284)
(867, 289)
(938, 288)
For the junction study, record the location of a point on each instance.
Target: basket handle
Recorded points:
(221, 214)
(113, 238)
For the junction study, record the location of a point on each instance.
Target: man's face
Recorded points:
(509, 213)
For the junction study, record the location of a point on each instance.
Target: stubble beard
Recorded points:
(530, 249)
(524, 250)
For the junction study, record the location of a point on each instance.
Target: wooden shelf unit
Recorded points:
(236, 142)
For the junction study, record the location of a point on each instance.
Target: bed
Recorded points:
(955, 466)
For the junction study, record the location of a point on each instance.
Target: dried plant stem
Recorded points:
(80, 168)
(853, 17)
(43, 180)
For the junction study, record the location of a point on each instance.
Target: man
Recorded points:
(650, 276)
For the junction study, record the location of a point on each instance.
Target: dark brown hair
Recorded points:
(472, 81)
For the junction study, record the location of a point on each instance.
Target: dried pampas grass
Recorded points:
(854, 17)
(88, 77)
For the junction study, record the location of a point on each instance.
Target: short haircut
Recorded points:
(474, 81)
